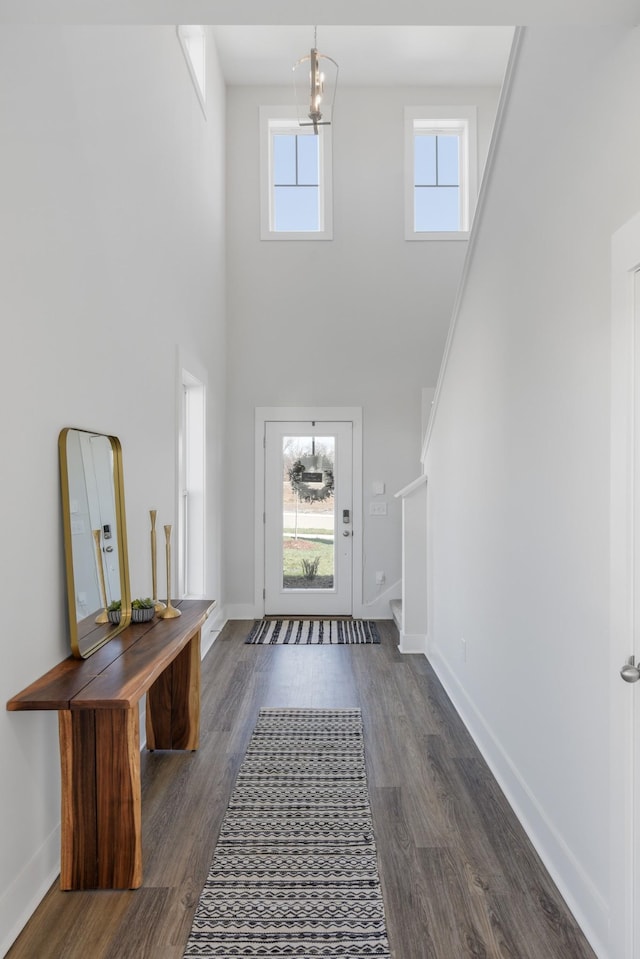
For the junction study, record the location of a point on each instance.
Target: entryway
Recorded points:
(435, 904)
(309, 497)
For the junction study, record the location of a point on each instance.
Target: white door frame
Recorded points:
(625, 570)
(264, 414)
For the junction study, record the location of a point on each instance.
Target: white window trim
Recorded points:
(195, 528)
(191, 549)
(269, 117)
(186, 33)
(442, 119)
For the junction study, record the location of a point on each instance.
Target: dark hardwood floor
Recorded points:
(459, 877)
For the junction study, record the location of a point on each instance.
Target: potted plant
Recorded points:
(142, 610)
(113, 611)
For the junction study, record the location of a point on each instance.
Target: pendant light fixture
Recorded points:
(315, 80)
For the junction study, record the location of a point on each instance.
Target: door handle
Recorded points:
(108, 549)
(346, 532)
(630, 672)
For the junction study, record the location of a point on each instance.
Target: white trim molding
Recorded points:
(274, 120)
(412, 643)
(457, 120)
(414, 610)
(193, 40)
(625, 540)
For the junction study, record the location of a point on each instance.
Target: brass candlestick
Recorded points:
(169, 612)
(102, 617)
(157, 605)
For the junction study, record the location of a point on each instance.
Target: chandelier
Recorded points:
(315, 80)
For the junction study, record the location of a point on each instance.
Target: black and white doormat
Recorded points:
(295, 873)
(295, 632)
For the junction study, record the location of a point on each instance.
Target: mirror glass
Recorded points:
(95, 538)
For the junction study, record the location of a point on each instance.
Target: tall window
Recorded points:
(296, 190)
(441, 172)
(436, 198)
(296, 178)
(191, 515)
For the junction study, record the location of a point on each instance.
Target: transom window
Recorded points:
(441, 180)
(436, 165)
(295, 182)
(296, 178)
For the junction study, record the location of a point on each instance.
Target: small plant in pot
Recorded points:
(142, 610)
(113, 611)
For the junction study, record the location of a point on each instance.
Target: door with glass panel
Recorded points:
(308, 518)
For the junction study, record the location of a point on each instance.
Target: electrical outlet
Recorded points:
(380, 577)
(377, 509)
(463, 649)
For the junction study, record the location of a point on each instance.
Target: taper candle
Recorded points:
(102, 617)
(157, 605)
(169, 612)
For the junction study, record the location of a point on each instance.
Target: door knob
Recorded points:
(346, 532)
(630, 672)
(108, 549)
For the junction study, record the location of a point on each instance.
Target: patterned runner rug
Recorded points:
(294, 873)
(313, 631)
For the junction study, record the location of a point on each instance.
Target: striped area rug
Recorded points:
(294, 873)
(313, 631)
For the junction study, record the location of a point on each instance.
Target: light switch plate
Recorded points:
(378, 509)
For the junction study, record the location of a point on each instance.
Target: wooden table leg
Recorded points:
(101, 799)
(79, 840)
(173, 702)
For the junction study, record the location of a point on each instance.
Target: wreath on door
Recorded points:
(306, 491)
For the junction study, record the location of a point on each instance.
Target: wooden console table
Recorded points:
(97, 704)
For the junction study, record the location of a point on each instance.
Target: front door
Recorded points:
(308, 518)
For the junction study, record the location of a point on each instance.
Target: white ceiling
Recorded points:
(368, 55)
(381, 12)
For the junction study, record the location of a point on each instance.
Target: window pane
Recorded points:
(308, 512)
(424, 160)
(296, 209)
(448, 162)
(437, 209)
(308, 160)
(284, 158)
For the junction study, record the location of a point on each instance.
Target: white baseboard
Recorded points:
(584, 900)
(211, 629)
(26, 892)
(379, 607)
(242, 611)
(413, 643)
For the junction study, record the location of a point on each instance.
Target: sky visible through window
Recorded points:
(296, 183)
(436, 183)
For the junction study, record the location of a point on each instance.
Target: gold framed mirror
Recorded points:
(95, 537)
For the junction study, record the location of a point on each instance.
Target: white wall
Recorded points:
(357, 321)
(111, 265)
(518, 461)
